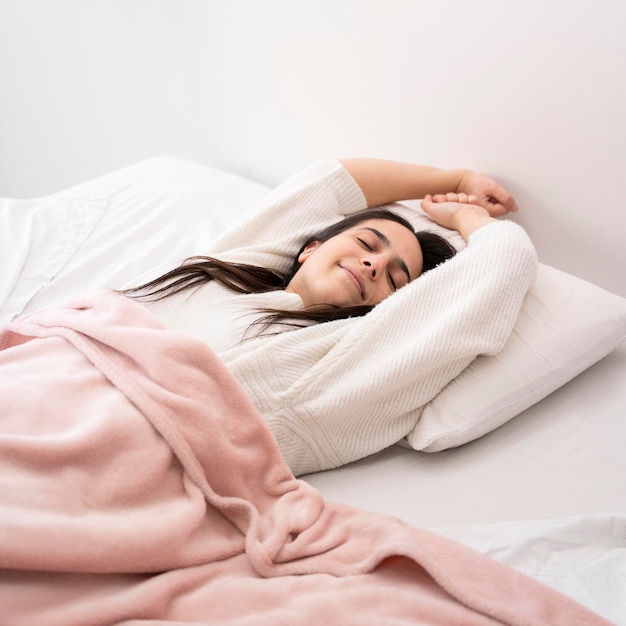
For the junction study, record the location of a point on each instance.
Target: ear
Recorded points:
(309, 248)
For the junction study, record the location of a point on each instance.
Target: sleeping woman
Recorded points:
(341, 322)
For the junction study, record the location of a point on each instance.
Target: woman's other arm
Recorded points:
(458, 211)
(383, 182)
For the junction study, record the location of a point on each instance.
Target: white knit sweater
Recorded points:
(336, 392)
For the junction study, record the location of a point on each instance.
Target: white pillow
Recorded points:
(565, 325)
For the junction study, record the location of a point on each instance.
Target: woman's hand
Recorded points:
(487, 193)
(458, 211)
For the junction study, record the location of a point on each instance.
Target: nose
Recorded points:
(374, 266)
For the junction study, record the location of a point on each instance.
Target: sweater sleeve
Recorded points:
(358, 386)
(304, 204)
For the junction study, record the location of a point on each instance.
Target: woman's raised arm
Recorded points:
(383, 182)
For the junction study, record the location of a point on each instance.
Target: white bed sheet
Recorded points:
(562, 457)
(545, 493)
(107, 232)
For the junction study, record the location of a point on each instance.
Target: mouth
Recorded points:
(356, 280)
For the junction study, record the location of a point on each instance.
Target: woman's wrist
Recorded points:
(470, 218)
(459, 178)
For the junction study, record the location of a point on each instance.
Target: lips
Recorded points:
(356, 280)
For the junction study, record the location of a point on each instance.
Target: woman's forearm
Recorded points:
(384, 181)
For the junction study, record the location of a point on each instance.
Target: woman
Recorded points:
(341, 390)
(371, 245)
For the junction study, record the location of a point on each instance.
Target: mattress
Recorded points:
(544, 493)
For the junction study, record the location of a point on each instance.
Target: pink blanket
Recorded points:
(139, 485)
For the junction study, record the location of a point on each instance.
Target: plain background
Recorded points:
(533, 93)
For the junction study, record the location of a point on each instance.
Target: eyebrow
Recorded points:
(385, 241)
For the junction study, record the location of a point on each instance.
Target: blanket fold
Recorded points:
(138, 485)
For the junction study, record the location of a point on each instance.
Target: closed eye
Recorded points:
(365, 244)
(392, 281)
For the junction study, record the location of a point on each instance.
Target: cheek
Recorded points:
(382, 294)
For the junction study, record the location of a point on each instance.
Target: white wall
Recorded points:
(533, 93)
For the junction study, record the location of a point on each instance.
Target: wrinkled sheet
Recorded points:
(139, 485)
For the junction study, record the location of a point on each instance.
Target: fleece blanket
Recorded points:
(138, 485)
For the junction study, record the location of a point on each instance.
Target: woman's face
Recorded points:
(360, 266)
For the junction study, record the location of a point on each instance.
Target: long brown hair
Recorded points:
(246, 278)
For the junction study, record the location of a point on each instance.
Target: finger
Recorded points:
(504, 200)
(452, 197)
(496, 204)
(511, 205)
(506, 204)
(463, 198)
(440, 197)
(472, 199)
(496, 209)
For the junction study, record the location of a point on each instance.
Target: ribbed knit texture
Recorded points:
(336, 392)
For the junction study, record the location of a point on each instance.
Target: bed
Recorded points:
(537, 484)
